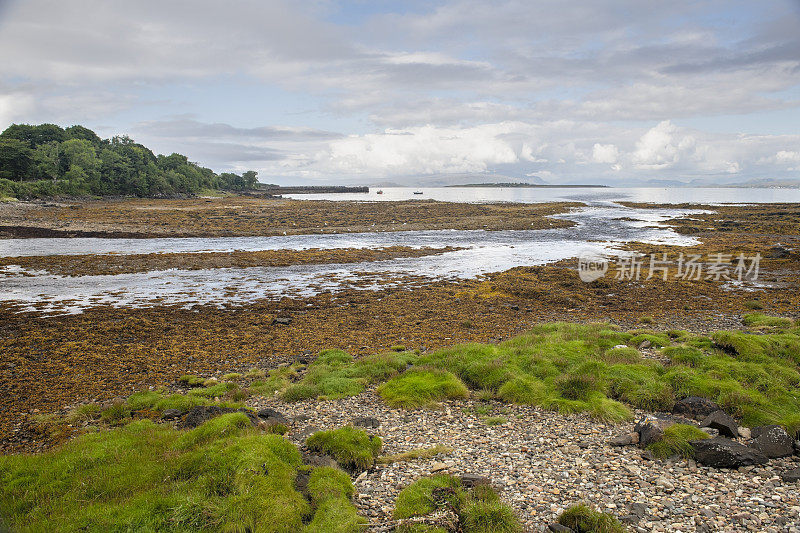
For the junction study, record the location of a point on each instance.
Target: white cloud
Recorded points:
(605, 153)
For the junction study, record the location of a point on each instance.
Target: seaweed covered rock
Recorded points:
(772, 441)
(720, 452)
(695, 407)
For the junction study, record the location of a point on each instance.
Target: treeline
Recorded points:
(47, 160)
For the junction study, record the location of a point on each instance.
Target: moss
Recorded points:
(583, 519)
(420, 387)
(352, 448)
(146, 477)
(675, 441)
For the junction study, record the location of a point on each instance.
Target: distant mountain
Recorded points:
(446, 180)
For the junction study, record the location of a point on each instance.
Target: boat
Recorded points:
(379, 192)
(417, 192)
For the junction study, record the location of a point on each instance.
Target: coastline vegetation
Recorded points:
(45, 160)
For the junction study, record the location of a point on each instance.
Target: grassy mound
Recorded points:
(478, 510)
(676, 441)
(221, 476)
(352, 448)
(583, 519)
(421, 387)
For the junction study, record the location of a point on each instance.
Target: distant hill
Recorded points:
(47, 160)
(524, 185)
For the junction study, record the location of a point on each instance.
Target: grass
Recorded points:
(495, 420)
(583, 519)
(334, 374)
(224, 475)
(760, 320)
(479, 510)
(352, 448)
(421, 387)
(676, 441)
(411, 455)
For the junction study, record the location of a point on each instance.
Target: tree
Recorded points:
(16, 159)
(47, 158)
(35, 135)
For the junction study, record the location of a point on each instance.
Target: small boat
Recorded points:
(379, 192)
(417, 192)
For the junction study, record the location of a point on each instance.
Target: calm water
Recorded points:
(599, 228)
(660, 195)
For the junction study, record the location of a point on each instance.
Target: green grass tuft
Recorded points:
(760, 320)
(352, 448)
(676, 441)
(583, 519)
(222, 476)
(421, 387)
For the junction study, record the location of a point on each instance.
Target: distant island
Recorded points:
(526, 185)
(49, 161)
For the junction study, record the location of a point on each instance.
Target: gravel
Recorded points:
(542, 462)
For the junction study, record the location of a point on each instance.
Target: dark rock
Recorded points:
(638, 509)
(271, 416)
(723, 422)
(725, 453)
(301, 481)
(367, 422)
(558, 528)
(650, 430)
(695, 407)
(791, 476)
(630, 519)
(171, 414)
(473, 480)
(621, 440)
(647, 455)
(778, 252)
(645, 344)
(316, 459)
(201, 413)
(797, 447)
(772, 441)
(283, 321)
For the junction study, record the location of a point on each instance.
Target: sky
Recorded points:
(619, 92)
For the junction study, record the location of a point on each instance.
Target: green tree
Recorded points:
(47, 158)
(16, 159)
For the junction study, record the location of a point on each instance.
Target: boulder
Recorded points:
(772, 441)
(778, 252)
(650, 430)
(621, 440)
(271, 416)
(367, 422)
(723, 422)
(201, 413)
(283, 320)
(172, 414)
(558, 528)
(695, 407)
(725, 453)
(473, 480)
(791, 476)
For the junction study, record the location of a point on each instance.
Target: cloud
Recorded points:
(605, 153)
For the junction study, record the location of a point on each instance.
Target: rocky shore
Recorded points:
(543, 462)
